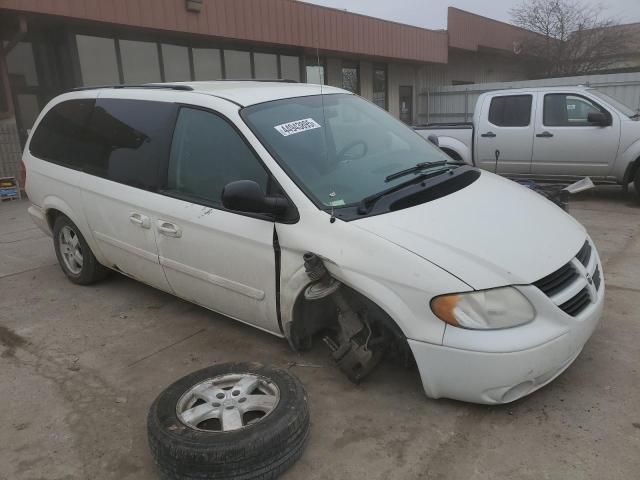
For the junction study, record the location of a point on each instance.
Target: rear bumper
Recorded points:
(39, 218)
(493, 378)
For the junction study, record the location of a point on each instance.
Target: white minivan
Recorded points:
(310, 213)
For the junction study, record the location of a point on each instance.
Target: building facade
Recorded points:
(50, 46)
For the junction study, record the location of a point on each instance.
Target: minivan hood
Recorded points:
(492, 233)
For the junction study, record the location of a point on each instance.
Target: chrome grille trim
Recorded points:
(575, 285)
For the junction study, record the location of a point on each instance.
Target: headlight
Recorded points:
(490, 309)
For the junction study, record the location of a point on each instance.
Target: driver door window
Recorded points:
(564, 110)
(206, 154)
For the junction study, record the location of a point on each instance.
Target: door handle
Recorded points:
(544, 135)
(488, 135)
(139, 219)
(169, 229)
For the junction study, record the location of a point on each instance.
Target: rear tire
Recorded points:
(195, 446)
(74, 255)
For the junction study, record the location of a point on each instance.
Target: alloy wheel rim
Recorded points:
(228, 402)
(71, 249)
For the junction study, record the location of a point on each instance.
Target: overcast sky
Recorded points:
(433, 13)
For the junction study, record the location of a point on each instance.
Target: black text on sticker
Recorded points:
(298, 126)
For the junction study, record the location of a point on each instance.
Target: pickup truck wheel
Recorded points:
(636, 182)
(235, 421)
(74, 255)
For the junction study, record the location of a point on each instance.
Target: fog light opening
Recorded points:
(519, 391)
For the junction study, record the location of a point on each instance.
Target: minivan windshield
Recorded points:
(621, 107)
(339, 148)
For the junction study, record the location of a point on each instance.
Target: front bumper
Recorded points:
(485, 374)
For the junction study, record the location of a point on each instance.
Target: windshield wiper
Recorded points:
(418, 167)
(367, 203)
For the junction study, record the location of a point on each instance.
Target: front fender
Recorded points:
(380, 294)
(621, 170)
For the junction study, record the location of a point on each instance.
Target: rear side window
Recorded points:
(132, 139)
(62, 136)
(511, 111)
(206, 154)
(122, 140)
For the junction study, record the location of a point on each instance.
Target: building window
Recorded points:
(98, 61)
(140, 63)
(207, 64)
(265, 65)
(290, 67)
(21, 65)
(351, 77)
(380, 86)
(237, 64)
(175, 61)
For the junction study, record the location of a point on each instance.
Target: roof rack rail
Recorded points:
(160, 86)
(265, 80)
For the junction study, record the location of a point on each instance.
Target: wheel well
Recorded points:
(452, 153)
(313, 317)
(634, 169)
(52, 214)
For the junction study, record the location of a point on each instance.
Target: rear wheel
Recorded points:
(74, 255)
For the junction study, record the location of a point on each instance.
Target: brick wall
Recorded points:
(10, 151)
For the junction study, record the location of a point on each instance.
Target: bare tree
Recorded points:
(570, 37)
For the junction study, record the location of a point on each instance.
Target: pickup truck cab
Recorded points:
(558, 133)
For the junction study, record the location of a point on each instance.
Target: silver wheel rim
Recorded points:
(228, 402)
(70, 249)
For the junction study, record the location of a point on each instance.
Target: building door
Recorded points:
(406, 104)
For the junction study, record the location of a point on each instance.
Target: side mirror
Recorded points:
(434, 139)
(247, 196)
(599, 118)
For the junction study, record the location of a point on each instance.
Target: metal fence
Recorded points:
(457, 103)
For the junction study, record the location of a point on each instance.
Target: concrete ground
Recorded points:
(79, 367)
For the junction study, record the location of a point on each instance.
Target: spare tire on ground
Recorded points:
(236, 421)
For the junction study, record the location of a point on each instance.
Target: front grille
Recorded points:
(572, 277)
(597, 279)
(558, 280)
(584, 254)
(577, 304)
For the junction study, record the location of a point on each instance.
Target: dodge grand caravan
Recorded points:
(310, 213)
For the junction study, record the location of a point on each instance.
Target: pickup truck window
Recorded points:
(511, 111)
(567, 110)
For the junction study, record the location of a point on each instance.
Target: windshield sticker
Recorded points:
(336, 203)
(298, 126)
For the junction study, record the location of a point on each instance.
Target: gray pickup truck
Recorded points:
(550, 134)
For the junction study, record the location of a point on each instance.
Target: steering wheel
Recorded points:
(343, 155)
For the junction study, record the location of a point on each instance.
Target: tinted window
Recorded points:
(62, 135)
(564, 110)
(290, 67)
(175, 60)
(206, 154)
(511, 111)
(266, 65)
(237, 64)
(206, 64)
(140, 62)
(130, 138)
(98, 62)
